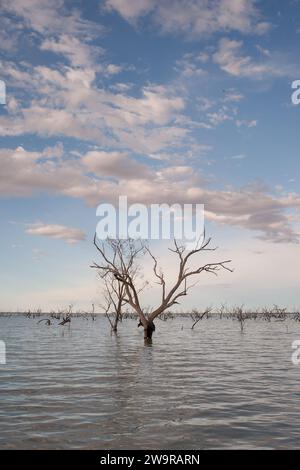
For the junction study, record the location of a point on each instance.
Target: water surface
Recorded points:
(79, 387)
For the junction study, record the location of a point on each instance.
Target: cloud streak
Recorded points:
(58, 232)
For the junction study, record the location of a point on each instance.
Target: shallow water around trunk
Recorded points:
(213, 387)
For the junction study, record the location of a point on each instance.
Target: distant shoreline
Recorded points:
(239, 313)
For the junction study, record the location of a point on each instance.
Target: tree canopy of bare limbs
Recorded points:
(119, 258)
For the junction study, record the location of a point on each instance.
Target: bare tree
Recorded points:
(197, 316)
(240, 315)
(114, 295)
(67, 318)
(93, 312)
(122, 263)
(119, 258)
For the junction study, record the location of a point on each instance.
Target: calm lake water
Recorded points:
(213, 387)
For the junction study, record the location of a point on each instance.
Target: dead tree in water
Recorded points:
(197, 316)
(115, 298)
(241, 316)
(93, 312)
(121, 262)
(118, 257)
(67, 318)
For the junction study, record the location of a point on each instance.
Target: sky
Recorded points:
(170, 101)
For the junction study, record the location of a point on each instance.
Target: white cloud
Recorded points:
(71, 101)
(9, 34)
(189, 67)
(51, 17)
(78, 53)
(130, 10)
(115, 164)
(61, 29)
(218, 110)
(231, 59)
(215, 117)
(26, 173)
(88, 177)
(232, 96)
(194, 17)
(218, 117)
(58, 232)
(66, 101)
(250, 124)
(113, 69)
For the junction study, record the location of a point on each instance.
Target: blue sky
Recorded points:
(164, 101)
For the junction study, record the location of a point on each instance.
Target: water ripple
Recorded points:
(214, 387)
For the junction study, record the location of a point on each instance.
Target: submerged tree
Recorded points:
(118, 256)
(120, 259)
(67, 317)
(114, 295)
(198, 316)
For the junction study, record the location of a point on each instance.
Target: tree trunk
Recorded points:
(148, 331)
(115, 327)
